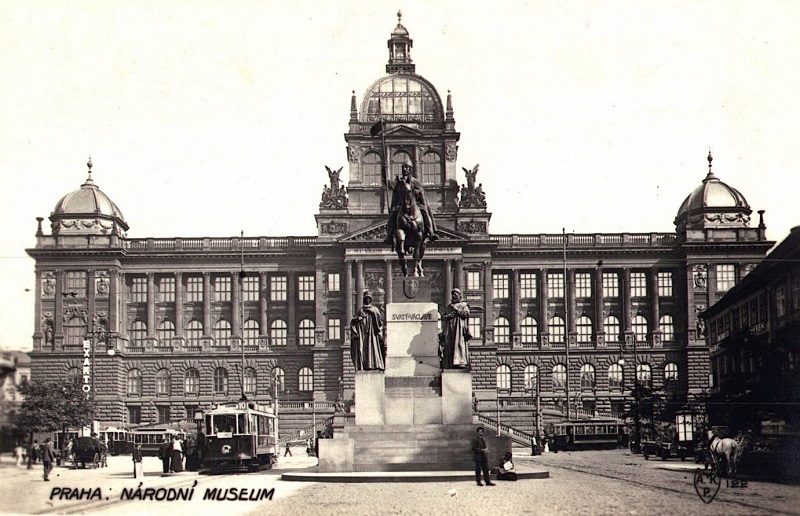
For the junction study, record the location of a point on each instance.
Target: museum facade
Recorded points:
(159, 327)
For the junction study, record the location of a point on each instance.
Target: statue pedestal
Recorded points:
(456, 397)
(412, 339)
(370, 398)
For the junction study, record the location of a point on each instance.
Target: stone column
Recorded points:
(291, 313)
(91, 302)
(151, 304)
(263, 320)
(488, 293)
(459, 279)
(387, 266)
(179, 297)
(570, 303)
(236, 301)
(123, 303)
(58, 316)
(113, 301)
(359, 281)
(626, 300)
(543, 319)
(448, 280)
(654, 311)
(348, 298)
(515, 326)
(598, 300)
(207, 303)
(39, 339)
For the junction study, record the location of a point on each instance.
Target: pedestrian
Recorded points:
(18, 454)
(33, 451)
(505, 471)
(177, 455)
(165, 454)
(47, 458)
(137, 461)
(479, 450)
(68, 451)
(191, 454)
(288, 450)
(103, 454)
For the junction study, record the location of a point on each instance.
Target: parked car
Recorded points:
(87, 450)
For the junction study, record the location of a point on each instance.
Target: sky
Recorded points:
(204, 120)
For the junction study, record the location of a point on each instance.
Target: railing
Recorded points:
(516, 435)
(309, 431)
(587, 240)
(529, 403)
(217, 244)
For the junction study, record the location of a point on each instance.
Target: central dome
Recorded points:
(402, 98)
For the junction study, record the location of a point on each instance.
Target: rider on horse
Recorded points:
(419, 194)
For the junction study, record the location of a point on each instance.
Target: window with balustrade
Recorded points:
(305, 288)
(587, 376)
(664, 279)
(667, 326)
(528, 288)
(639, 327)
(502, 333)
(531, 377)
(194, 289)
(431, 165)
(251, 332)
(222, 333)
(74, 332)
(278, 286)
(555, 285)
(278, 333)
(334, 328)
(529, 330)
(610, 284)
(503, 377)
(166, 289)
(134, 382)
(726, 277)
(163, 380)
(583, 284)
(559, 377)
(644, 375)
(557, 330)
(615, 377)
(138, 290)
(191, 381)
(585, 329)
(138, 334)
(166, 332)
(194, 333)
(612, 328)
(671, 375)
(638, 284)
(251, 288)
(500, 285)
(305, 333)
(222, 288)
(221, 380)
(306, 379)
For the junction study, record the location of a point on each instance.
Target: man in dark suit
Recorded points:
(165, 454)
(481, 459)
(47, 458)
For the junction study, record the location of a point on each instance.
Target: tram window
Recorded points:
(224, 423)
(242, 419)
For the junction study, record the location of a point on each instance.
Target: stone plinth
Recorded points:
(410, 289)
(370, 387)
(336, 454)
(412, 339)
(456, 397)
(413, 400)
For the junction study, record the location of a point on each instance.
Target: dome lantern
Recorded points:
(400, 49)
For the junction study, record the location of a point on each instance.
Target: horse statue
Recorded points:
(409, 234)
(725, 449)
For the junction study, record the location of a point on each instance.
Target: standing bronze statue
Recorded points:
(366, 338)
(411, 223)
(455, 333)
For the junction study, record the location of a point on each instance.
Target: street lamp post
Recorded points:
(635, 444)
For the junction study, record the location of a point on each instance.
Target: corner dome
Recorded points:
(713, 203)
(87, 210)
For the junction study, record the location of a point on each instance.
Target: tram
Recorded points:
(240, 436)
(588, 435)
(151, 438)
(116, 439)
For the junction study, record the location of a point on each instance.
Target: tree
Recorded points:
(51, 406)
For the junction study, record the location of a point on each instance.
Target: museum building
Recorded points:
(159, 327)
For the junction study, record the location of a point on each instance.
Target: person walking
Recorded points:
(33, 450)
(481, 459)
(165, 454)
(137, 461)
(47, 459)
(177, 455)
(288, 450)
(18, 453)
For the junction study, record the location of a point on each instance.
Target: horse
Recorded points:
(726, 449)
(409, 234)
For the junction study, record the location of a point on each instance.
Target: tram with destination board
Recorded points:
(240, 436)
(588, 435)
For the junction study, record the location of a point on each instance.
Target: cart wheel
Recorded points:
(96, 461)
(645, 455)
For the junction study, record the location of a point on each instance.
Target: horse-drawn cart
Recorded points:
(665, 449)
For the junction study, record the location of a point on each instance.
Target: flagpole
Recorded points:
(566, 317)
(241, 308)
(385, 163)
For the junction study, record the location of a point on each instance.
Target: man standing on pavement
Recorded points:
(137, 461)
(165, 453)
(47, 458)
(481, 459)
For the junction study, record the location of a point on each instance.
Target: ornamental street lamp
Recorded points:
(635, 444)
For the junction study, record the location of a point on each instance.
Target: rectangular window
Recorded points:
(745, 316)
(555, 285)
(334, 282)
(75, 284)
(250, 288)
(277, 288)
(527, 283)
(222, 288)
(194, 289)
(780, 301)
(334, 329)
(163, 414)
(665, 284)
(500, 285)
(795, 292)
(305, 288)
(726, 277)
(610, 284)
(166, 290)
(474, 324)
(583, 284)
(134, 415)
(638, 284)
(138, 290)
(473, 280)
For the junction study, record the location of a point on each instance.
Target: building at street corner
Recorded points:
(167, 320)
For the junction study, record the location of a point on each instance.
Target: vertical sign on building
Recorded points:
(86, 386)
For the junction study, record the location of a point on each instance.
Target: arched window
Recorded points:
(221, 380)
(587, 376)
(162, 382)
(194, 333)
(559, 376)
(504, 377)
(531, 376)
(305, 333)
(529, 330)
(615, 376)
(74, 332)
(134, 382)
(306, 379)
(667, 328)
(671, 375)
(278, 377)
(191, 381)
(138, 334)
(644, 375)
(74, 376)
(397, 164)
(278, 333)
(372, 169)
(502, 331)
(250, 380)
(612, 329)
(431, 168)
(166, 332)
(585, 329)
(557, 330)
(251, 332)
(639, 327)
(222, 333)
